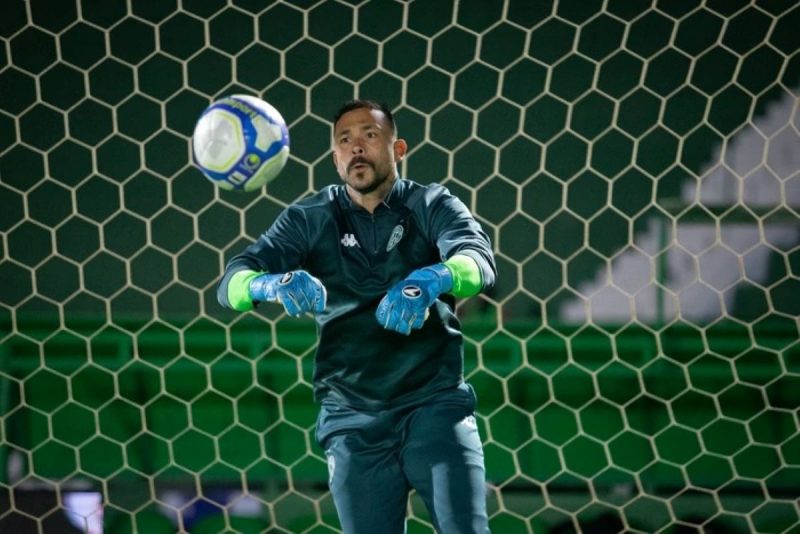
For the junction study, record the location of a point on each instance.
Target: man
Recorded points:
(378, 261)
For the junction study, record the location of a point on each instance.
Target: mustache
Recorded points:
(356, 160)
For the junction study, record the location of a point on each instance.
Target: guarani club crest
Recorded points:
(394, 239)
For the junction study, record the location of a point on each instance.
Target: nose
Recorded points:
(357, 148)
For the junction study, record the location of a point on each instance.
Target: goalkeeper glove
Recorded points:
(298, 291)
(405, 306)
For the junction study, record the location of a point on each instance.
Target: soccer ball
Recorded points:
(240, 143)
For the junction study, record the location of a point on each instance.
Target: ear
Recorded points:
(400, 148)
(336, 165)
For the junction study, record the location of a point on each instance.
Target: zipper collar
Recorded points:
(393, 200)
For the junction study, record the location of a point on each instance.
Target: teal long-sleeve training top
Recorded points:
(358, 257)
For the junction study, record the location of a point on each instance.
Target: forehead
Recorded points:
(360, 118)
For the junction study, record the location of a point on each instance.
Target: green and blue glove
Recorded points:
(298, 291)
(405, 306)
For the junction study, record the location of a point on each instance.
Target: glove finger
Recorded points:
(301, 293)
(419, 319)
(393, 322)
(408, 324)
(305, 300)
(308, 297)
(291, 305)
(320, 298)
(383, 311)
(404, 321)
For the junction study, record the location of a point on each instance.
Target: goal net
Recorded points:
(636, 163)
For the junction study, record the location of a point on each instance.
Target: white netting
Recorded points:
(637, 165)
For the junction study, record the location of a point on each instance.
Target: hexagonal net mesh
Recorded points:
(636, 164)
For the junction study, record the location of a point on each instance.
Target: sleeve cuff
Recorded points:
(239, 290)
(467, 280)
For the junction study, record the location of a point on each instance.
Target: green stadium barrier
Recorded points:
(170, 413)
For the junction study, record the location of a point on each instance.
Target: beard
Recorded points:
(356, 178)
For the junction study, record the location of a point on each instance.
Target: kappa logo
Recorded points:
(349, 240)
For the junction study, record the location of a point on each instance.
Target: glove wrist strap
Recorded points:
(262, 288)
(445, 277)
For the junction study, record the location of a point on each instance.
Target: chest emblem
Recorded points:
(394, 239)
(349, 240)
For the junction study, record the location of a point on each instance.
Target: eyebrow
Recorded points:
(369, 126)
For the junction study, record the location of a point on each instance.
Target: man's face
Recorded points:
(365, 150)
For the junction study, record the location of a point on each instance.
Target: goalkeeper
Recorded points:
(379, 261)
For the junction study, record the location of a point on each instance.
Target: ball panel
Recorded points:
(269, 124)
(264, 107)
(266, 133)
(218, 140)
(224, 184)
(268, 171)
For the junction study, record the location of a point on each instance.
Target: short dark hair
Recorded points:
(359, 103)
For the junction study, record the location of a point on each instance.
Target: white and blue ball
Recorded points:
(240, 143)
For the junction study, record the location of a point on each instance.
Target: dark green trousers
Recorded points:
(376, 458)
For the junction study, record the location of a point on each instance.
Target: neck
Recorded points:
(370, 201)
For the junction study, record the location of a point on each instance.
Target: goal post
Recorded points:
(635, 164)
